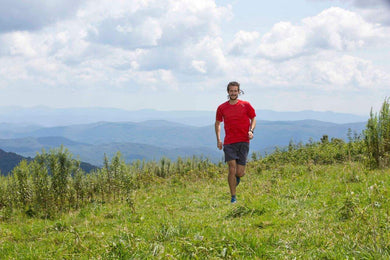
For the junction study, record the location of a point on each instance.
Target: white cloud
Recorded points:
(283, 42)
(346, 73)
(134, 24)
(325, 72)
(210, 51)
(124, 33)
(333, 29)
(242, 41)
(199, 65)
(340, 29)
(120, 39)
(18, 44)
(189, 21)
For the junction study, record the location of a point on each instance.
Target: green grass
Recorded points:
(308, 211)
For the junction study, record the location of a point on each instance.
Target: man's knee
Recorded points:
(232, 164)
(240, 170)
(240, 174)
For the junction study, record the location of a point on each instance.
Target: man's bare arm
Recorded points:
(218, 134)
(253, 124)
(252, 128)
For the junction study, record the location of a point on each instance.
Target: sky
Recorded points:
(321, 55)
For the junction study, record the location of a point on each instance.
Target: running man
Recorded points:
(239, 121)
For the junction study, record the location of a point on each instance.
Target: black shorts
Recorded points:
(236, 151)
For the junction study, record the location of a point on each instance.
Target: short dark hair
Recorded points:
(233, 83)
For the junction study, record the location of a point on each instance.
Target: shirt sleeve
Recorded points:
(251, 111)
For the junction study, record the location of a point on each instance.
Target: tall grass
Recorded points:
(284, 211)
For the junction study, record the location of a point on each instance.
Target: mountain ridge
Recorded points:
(94, 154)
(9, 160)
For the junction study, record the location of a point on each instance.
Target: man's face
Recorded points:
(233, 92)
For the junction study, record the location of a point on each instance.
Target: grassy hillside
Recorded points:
(286, 211)
(322, 200)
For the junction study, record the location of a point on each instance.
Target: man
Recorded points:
(239, 123)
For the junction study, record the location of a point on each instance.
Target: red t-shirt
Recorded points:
(236, 120)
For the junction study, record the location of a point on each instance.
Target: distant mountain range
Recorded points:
(151, 140)
(94, 154)
(9, 160)
(68, 116)
(89, 133)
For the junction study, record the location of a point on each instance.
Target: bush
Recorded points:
(377, 137)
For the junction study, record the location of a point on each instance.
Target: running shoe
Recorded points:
(238, 179)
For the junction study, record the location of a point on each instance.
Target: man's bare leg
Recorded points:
(235, 170)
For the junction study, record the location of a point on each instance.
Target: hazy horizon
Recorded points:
(168, 110)
(45, 116)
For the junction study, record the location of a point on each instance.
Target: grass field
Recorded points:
(338, 211)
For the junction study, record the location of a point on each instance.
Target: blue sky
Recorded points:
(180, 54)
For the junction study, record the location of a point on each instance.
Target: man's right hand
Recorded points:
(219, 145)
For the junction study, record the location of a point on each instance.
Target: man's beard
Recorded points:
(233, 97)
